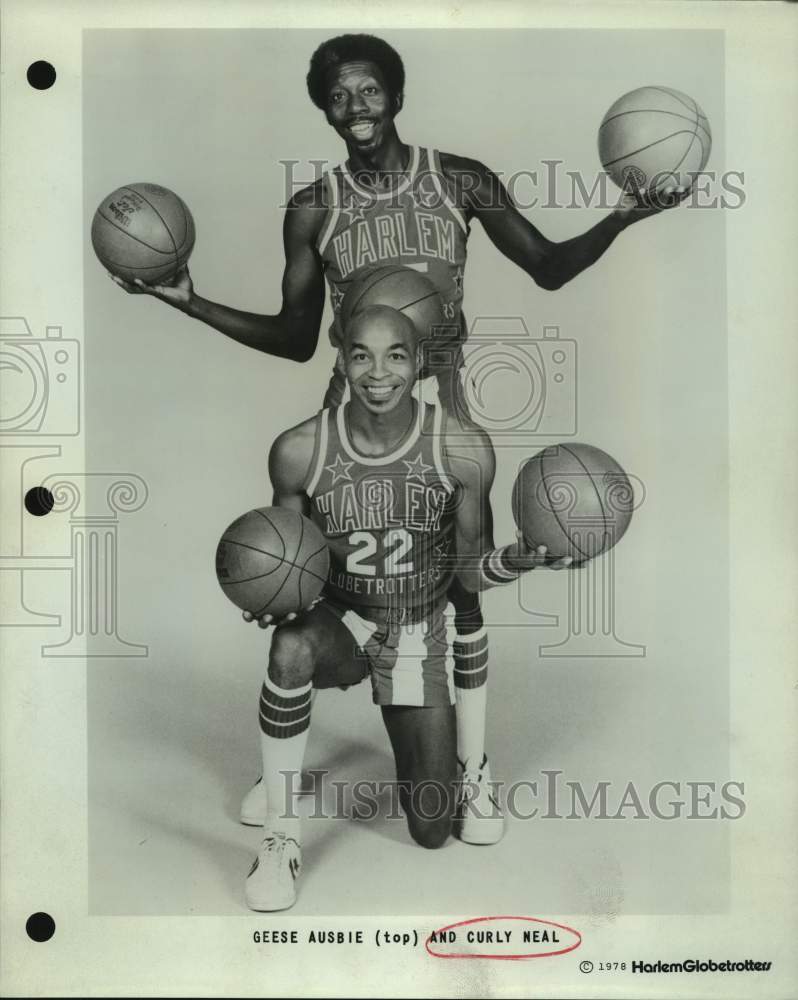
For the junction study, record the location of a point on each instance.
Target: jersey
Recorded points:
(389, 521)
(416, 224)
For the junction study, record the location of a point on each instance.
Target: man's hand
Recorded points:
(524, 558)
(266, 620)
(177, 292)
(636, 205)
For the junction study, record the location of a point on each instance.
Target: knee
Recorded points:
(291, 658)
(430, 833)
(429, 814)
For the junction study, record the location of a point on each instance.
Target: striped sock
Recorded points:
(471, 694)
(284, 724)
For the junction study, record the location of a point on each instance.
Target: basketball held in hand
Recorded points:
(653, 138)
(573, 498)
(143, 231)
(273, 561)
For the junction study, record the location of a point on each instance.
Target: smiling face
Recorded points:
(379, 358)
(359, 105)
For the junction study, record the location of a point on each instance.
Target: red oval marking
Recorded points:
(507, 956)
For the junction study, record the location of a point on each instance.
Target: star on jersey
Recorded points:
(426, 198)
(339, 469)
(355, 211)
(336, 298)
(442, 548)
(457, 278)
(417, 469)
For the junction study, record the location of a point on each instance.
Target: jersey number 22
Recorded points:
(396, 544)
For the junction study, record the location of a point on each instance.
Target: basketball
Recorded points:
(403, 288)
(653, 137)
(272, 561)
(574, 499)
(143, 231)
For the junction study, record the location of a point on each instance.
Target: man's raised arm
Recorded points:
(293, 332)
(549, 264)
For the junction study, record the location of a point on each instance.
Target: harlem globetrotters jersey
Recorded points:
(388, 521)
(416, 224)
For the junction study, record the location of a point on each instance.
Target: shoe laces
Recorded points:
(272, 851)
(471, 781)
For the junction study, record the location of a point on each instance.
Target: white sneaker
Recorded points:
(478, 818)
(253, 805)
(270, 883)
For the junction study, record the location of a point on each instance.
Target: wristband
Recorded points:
(495, 569)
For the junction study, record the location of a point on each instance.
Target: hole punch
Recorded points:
(40, 926)
(41, 74)
(39, 501)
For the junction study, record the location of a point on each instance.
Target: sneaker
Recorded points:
(270, 883)
(253, 805)
(478, 818)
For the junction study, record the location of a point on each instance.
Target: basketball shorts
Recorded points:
(409, 664)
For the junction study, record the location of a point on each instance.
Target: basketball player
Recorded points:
(395, 493)
(390, 203)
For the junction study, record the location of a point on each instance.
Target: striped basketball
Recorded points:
(402, 288)
(272, 560)
(143, 231)
(574, 499)
(653, 137)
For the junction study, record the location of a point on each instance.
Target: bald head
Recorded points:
(382, 320)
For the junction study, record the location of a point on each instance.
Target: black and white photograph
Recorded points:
(397, 436)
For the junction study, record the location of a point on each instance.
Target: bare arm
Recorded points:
(293, 332)
(549, 264)
(473, 465)
(289, 466)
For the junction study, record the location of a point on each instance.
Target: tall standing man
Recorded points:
(391, 202)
